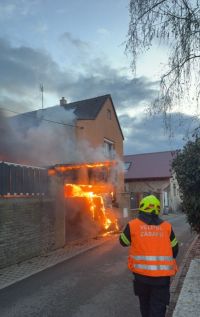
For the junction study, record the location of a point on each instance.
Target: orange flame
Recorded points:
(94, 195)
(62, 168)
(98, 196)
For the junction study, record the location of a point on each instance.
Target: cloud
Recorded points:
(21, 67)
(76, 42)
(15, 106)
(102, 78)
(24, 68)
(41, 28)
(103, 31)
(148, 134)
(8, 9)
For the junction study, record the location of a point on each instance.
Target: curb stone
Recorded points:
(178, 280)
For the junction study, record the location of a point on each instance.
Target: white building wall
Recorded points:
(174, 199)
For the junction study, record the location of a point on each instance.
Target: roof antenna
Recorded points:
(42, 91)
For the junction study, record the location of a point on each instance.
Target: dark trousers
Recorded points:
(153, 299)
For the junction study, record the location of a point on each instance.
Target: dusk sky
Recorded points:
(76, 49)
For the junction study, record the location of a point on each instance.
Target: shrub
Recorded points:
(187, 168)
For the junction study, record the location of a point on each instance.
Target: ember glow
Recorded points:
(95, 195)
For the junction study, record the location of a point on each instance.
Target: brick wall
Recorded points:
(29, 227)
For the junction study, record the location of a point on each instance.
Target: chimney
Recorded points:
(63, 101)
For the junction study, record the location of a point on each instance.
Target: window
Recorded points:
(127, 165)
(109, 148)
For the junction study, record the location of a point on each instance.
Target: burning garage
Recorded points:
(90, 197)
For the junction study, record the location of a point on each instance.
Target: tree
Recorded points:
(187, 168)
(177, 23)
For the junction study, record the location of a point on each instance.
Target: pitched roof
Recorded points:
(149, 165)
(87, 109)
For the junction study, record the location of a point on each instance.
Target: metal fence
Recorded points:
(16, 179)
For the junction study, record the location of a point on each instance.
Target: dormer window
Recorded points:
(127, 165)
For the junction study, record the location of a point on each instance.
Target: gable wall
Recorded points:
(102, 127)
(96, 130)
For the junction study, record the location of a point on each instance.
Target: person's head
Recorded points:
(150, 205)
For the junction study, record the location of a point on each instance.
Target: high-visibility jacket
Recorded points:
(150, 252)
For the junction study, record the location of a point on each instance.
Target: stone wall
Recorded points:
(29, 227)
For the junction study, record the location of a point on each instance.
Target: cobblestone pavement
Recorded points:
(20, 271)
(177, 283)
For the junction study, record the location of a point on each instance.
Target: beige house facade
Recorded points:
(104, 130)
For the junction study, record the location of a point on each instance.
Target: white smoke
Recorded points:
(46, 138)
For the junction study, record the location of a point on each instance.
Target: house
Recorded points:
(89, 130)
(74, 136)
(94, 120)
(151, 173)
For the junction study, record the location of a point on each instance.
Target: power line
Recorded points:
(47, 120)
(67, 124)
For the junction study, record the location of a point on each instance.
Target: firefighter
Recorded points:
(152, 251)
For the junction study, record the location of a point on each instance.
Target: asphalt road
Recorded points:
(95, 283)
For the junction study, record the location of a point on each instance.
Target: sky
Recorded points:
(76, 49)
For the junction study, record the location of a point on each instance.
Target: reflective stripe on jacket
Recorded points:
(150, 252)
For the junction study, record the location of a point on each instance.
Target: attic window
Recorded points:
(127, 165)
(109, 114)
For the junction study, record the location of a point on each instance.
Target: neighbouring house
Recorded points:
(151, 173)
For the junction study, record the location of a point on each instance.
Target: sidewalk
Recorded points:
(185, 287)
(189, 300)
(14, 273)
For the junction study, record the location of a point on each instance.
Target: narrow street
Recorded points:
(95, 283)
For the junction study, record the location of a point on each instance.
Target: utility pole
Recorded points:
(42, 91)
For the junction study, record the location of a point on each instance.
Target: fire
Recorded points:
(88, 187)
(96, 196)
(63, 168)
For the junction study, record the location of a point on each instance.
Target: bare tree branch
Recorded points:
(151, 9)
(177, 24)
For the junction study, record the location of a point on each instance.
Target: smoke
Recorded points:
(48, 137)
(42, 139)
(8, 140)
(45, 137)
